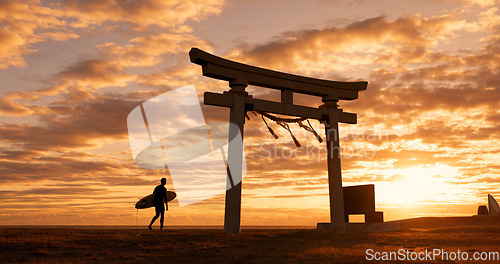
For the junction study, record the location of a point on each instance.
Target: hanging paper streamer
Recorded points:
(310, 129)
(269, 128)
(287, 127)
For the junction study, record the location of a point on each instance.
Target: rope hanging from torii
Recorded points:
(283, 122)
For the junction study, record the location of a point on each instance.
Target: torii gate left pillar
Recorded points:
(239, 76)
(232, 213)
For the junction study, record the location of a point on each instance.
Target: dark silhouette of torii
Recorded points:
(239, 101)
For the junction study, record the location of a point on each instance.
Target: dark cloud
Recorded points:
(73, 126)
(62, 191)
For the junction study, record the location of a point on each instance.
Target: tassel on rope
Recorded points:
(310, 129)
(248, 117)
(285, 126)
(269, 128)
(314, 132)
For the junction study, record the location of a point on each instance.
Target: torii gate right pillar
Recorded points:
(334, 171)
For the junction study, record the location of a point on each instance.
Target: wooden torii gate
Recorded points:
(239, 77)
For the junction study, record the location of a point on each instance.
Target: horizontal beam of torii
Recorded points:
(321, 113)
(240, 76)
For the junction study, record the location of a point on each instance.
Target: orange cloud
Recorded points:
(11, 51)
(95, 73)
(327, 48)
(142, 14)
(24, 24)
(149, 50)
(10, 107)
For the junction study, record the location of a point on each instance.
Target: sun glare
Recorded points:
(416, 184)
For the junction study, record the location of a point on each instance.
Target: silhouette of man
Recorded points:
(160, 198)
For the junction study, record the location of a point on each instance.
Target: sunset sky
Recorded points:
(428, 132)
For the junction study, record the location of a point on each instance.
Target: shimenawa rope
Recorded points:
(283, 122)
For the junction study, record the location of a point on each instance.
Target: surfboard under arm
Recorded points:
(149, 201)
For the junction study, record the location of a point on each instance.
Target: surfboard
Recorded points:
(493, 205)
(149, 201)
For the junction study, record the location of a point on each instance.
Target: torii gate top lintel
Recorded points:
(227, 70)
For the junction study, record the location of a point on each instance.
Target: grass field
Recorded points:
(69, 245)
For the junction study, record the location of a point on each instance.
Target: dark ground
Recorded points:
(69, 245)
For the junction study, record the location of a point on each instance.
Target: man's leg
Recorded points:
(154, 218)
(162, 218)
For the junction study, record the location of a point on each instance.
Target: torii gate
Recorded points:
(240, 76)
